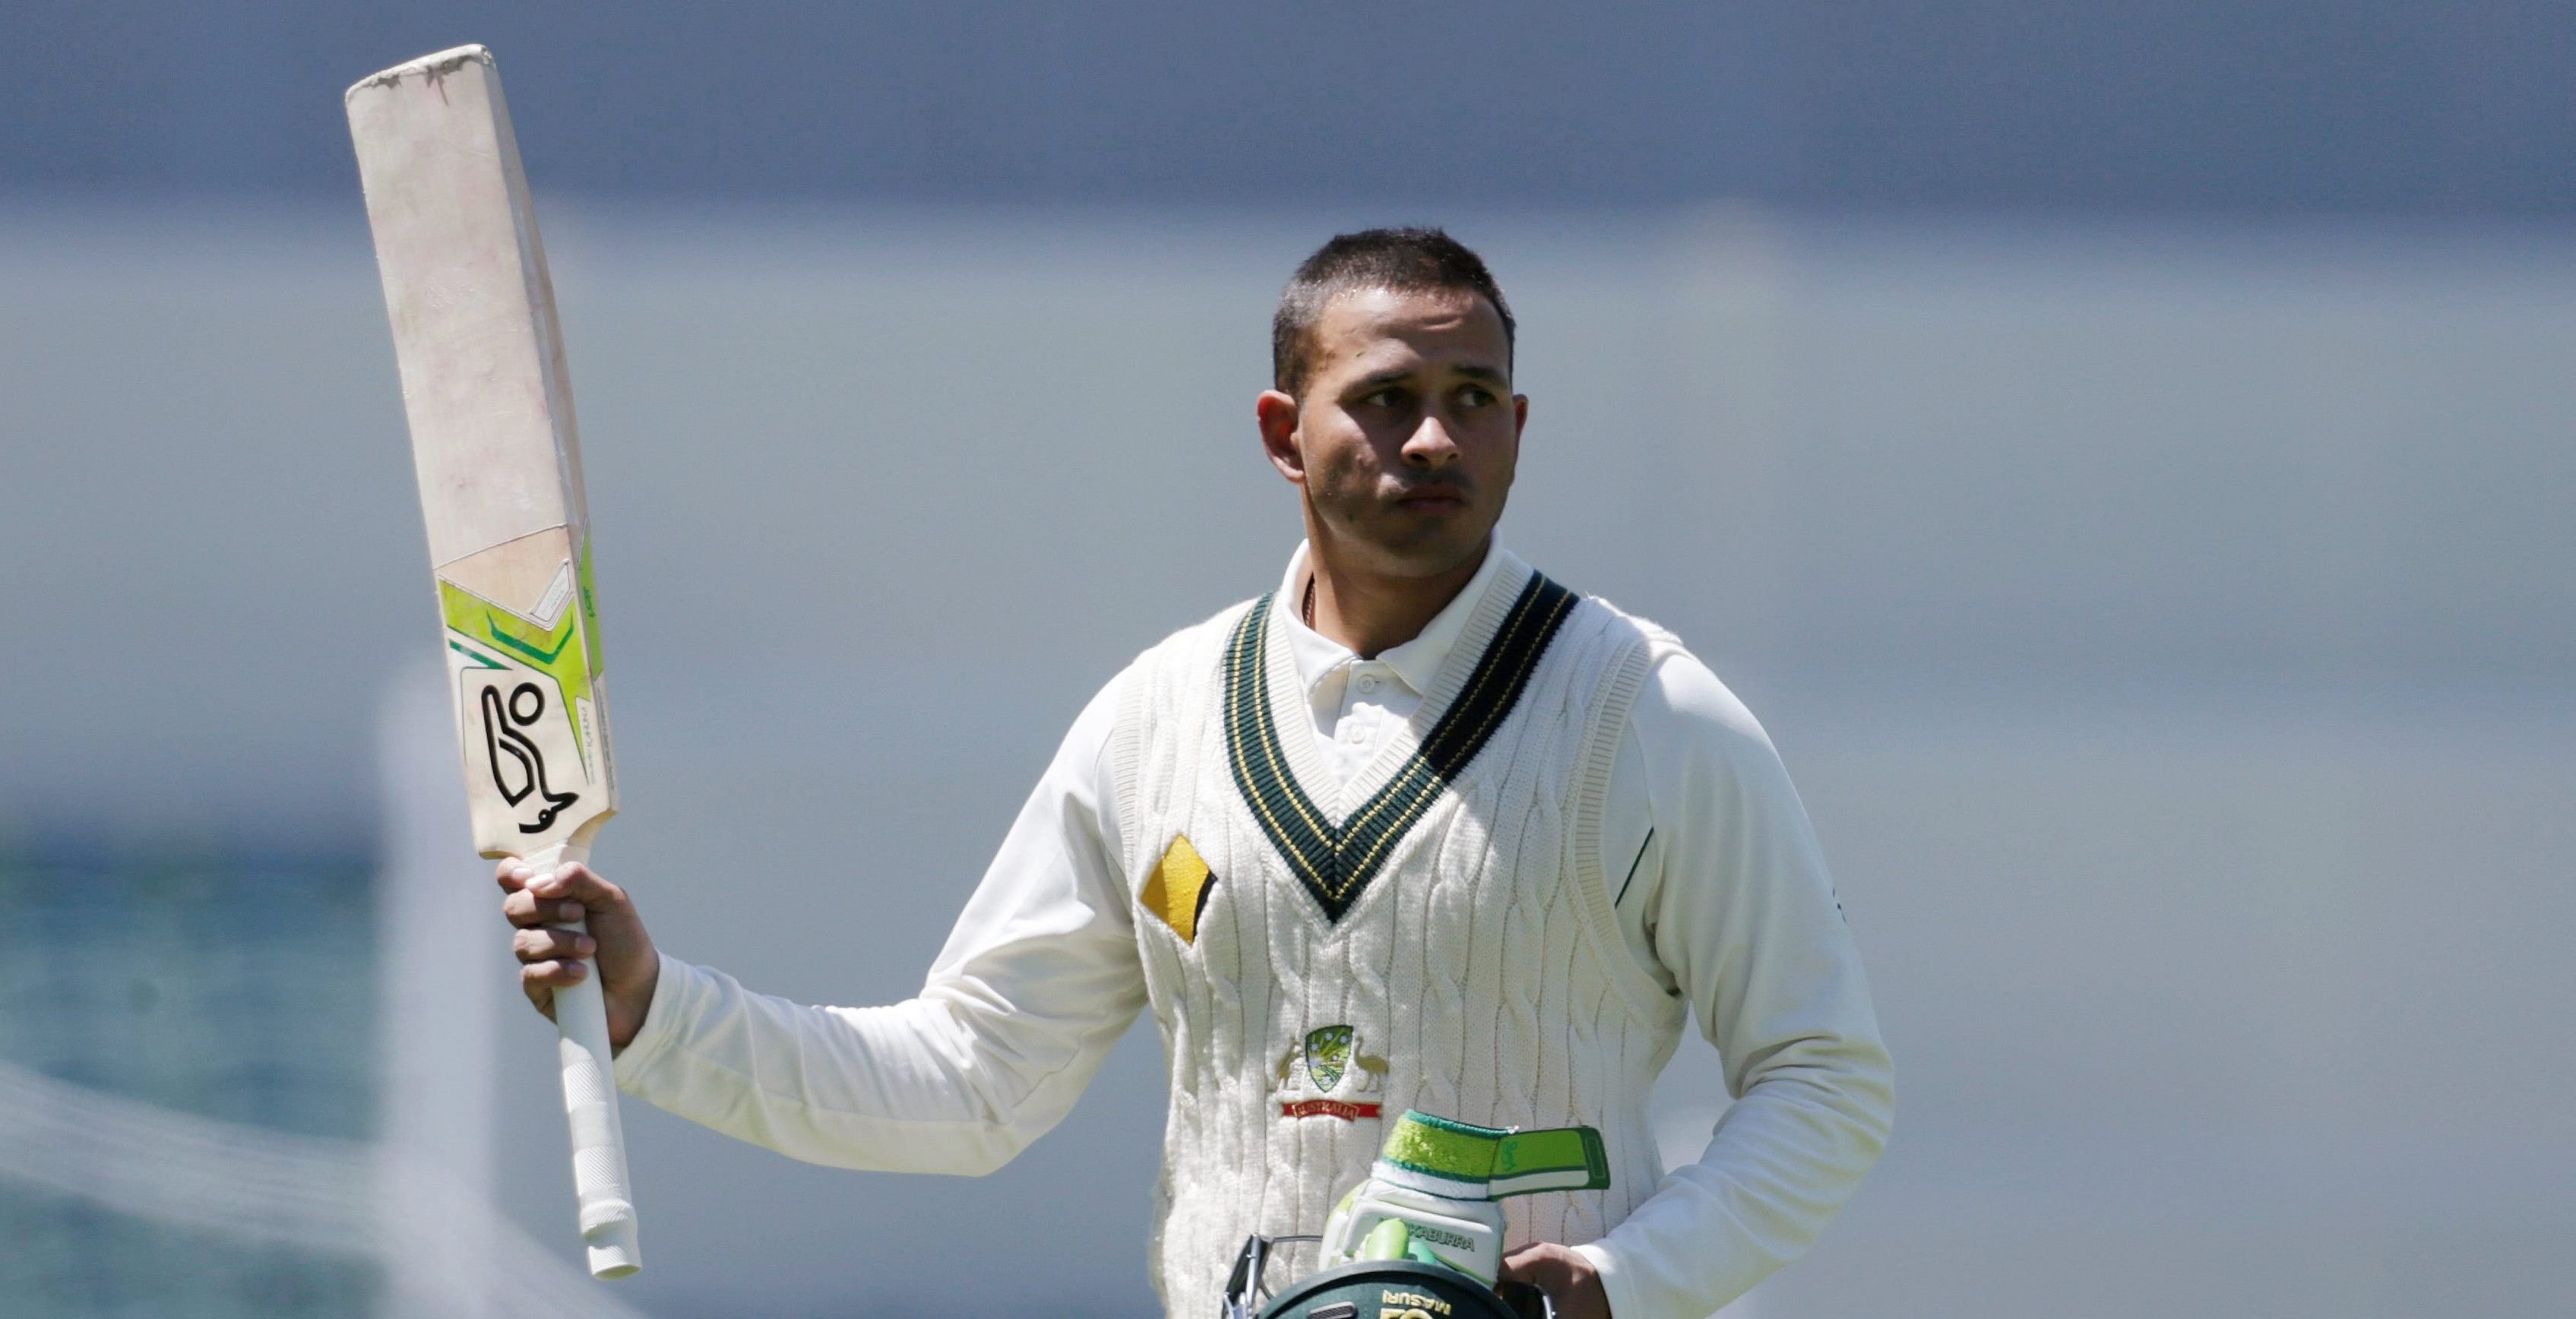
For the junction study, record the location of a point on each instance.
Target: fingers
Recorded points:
(553, 975)
(547, 944)
(577, 882)
(540, 980)
(551, 959)
(612, 939)
(1535, 1265)
(1572, 1285)
(567, 893)
(525, 909)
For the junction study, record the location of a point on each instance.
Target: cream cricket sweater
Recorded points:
(1433, 933)
(1521, 951)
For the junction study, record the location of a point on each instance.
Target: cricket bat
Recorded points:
(499, 462)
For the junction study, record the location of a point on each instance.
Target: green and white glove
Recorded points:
(1432, 1193)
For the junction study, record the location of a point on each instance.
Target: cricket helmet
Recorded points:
(1372, 1288)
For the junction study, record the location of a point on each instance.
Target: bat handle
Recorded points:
(590, 1103)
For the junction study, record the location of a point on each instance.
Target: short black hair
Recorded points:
(1404, 260)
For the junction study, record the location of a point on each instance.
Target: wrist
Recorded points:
(1605, 1275)
(631, 1004)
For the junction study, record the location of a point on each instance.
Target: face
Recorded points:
(1408, 431)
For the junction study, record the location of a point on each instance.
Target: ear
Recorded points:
(1520, 414)
(1279, 418)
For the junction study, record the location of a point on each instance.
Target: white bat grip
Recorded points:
(590, 1102)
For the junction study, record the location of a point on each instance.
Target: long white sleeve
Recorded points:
(1726, 891)
(1038, 980)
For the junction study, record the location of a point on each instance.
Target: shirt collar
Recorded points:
(1416, 662)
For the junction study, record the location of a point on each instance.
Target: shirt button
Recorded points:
(1368, 682)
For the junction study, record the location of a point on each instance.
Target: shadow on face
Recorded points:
(1406, 433)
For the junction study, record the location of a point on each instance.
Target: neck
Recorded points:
(1372, 612)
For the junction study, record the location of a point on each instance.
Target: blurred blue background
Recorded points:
(2123, 453)
(2298, 107)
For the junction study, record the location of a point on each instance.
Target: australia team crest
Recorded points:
(1317, 1067)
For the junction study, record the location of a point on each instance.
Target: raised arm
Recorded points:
(1038, 980)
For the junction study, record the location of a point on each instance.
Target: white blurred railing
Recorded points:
(266, 1187)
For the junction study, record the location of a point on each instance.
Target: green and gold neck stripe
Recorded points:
(1336, 861)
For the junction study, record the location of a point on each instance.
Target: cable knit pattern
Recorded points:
(1481, 970)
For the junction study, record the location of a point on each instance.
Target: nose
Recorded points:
(1430, 444)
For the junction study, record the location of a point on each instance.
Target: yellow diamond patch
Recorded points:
(1178, 889)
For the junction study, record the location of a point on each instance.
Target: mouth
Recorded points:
(1435, 498)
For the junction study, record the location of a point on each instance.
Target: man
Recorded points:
(1421, 829)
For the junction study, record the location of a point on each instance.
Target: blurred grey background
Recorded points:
(2123, 453)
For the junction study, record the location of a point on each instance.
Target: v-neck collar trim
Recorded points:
(1503, 576)
(1274, 755)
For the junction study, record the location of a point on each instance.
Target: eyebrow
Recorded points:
(1403, 375)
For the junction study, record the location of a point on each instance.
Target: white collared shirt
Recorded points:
(1722, 897)
(1359, 703)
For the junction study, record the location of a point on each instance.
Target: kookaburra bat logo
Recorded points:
(502, 721)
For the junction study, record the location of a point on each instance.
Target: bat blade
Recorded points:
(495, 446)
(499, 460)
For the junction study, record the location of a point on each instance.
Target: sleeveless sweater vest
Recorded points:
(1434, 934)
